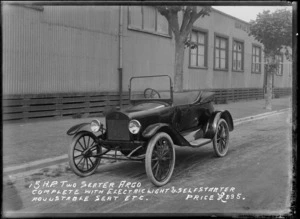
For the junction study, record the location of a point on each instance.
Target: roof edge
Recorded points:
(223, 13)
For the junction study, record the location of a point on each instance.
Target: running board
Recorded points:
(192, 135)
(200, 142)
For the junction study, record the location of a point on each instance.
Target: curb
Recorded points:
(259, 116)
(34, 165)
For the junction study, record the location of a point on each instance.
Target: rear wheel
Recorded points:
(81, 152)
(221, 138)
(160, 159)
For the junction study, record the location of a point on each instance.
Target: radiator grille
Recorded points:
(117, 130)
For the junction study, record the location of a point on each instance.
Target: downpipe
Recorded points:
(120, 67)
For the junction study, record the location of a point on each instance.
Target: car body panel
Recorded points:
(212, 123)
(78, 128)
(180, 114)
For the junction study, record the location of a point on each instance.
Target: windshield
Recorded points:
(150, 87)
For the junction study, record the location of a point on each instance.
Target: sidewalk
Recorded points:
(33, 141)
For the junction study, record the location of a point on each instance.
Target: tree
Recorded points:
(274, 31)
(181, 32)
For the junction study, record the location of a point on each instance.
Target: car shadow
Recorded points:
(186, 159)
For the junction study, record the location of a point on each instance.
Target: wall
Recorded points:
(65, 49)
(60, 49)
(145, 53)
(218, 23)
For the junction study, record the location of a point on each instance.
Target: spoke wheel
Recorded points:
(221, 139)
(150, 93)
(81, 151)
(160, 159)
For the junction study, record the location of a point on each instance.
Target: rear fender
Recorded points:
(177, 139)
(79, 128)
(213, 121)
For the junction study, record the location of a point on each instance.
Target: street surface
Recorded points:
(254, 178)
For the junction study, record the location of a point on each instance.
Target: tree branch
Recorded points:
(186, 18)
(194, 16)
(170, 13)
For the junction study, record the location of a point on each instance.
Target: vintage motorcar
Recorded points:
(148, 129)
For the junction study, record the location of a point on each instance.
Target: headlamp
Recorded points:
(134, 126)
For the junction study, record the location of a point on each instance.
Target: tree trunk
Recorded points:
(268, 96)
(179, 60)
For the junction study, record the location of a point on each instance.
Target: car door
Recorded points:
(185, 118)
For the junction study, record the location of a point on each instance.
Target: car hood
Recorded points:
(144, 106)
(140, 110)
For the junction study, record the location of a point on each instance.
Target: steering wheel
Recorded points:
(150, 93)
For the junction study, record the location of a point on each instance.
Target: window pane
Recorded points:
(193, 60)
(257, 51)
(201, 50)
(234, 46)
(234, 56)
(149, 18)
(201, 38)
(239, 47)
(223, 63)
(135, 16)
(162, 24)
(239, 56)
(217, 42)
(239, 65)
(223, 43)
(194, 37)
(194, 51)
(217, 53)
(234, 64)
(223, 54)
(217, 63)
(201, 61)
(257, 59)
(257, 67)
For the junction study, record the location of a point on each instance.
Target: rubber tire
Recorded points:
(70, 154)
(148, 159)
(217, 152)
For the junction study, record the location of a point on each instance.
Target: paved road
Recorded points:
(253, 178)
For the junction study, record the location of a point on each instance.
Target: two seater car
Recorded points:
(148, 129)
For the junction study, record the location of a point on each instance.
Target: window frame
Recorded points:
(205, 32)
(260, 58)
(281, 65)
(130, 27)
(218, 35)
(235, 40)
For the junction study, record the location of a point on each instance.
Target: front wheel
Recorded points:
(81, 154)
(221, 138)
(160, 159)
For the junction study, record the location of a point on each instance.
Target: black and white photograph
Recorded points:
(145, 108)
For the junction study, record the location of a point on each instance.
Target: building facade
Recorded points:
(49, 49)
(57, 50)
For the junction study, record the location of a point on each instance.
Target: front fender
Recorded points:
(177, 139)
(78, 128)
(213, 121)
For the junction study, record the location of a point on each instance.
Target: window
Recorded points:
(238, 56)
(147, 19)
(279, 58)
(256, 59)
(221, 53)
(198, 55)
